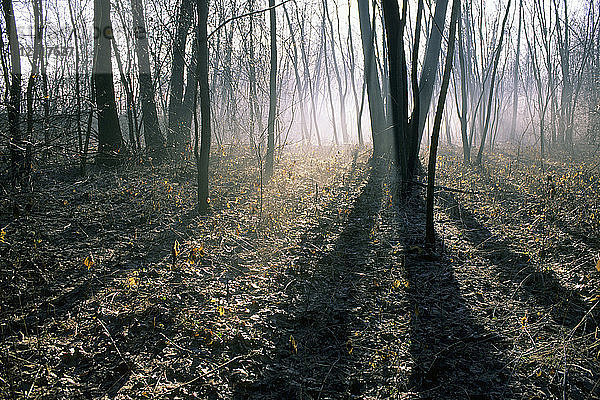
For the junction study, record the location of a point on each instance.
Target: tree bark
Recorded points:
(513, 124)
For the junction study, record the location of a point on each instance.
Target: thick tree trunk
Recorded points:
(110, 141)
(175, 131)
(378, 122)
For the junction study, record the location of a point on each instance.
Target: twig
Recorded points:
(245, 15)
(446, 188)
(115, 344)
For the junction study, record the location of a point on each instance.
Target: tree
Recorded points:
(202, 156)
(435, 134)
(272, 93)
(513, 124)
(110, 140)
(430, 66)
(17, 155)
(492, 83)
(175, 133)
(378, 121)
(405, 131)
(152, 135)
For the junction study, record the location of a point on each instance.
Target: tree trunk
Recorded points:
(152, 134)
(492, 83)
(272, 93)
(463, 95)
(378, 123)
(202, 78)
(110, 141)
(394, 26)
(435, 135)
(175, 131)
(430, 65)
(17, 155)
(513, 125)
(300, 86)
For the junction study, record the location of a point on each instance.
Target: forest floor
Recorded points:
(321, 290)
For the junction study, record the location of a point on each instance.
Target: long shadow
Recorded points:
(533, 285)
(453, 355)
(312, 358)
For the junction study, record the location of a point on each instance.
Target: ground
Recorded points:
(315, 285)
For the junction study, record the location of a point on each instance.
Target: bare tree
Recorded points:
(110, 140)
(152, 134)
(16, 145)
(435, 135)
(203, 153)
(272, 92)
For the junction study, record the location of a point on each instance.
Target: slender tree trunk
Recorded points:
(464, 96)
(299, 84)
(191, 91)
(435, 135)
(153, 137)
(77, 79)
(513, 125)
(272, 93)
(131, 122)
(16, 145)
(202, 78)
(357, 103)
(33, 76)
(492, 83)
(430, 64)
(328, 77)
(341, 94)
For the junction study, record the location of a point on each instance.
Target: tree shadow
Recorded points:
(533, 282)
(563, 313)
(312, 356)
(453, 355)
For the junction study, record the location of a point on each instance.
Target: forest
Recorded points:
(300, 199)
